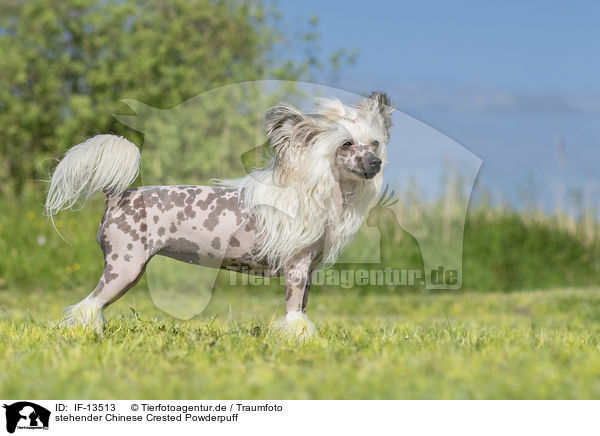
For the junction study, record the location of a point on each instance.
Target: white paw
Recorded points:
(298, 324)
(86, 314)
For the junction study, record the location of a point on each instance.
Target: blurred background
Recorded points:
(515, 84)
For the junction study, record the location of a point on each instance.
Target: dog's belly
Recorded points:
(232, 252)
(203, 225)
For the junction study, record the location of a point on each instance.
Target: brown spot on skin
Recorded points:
(209, 199)
(138, 203)
(161, 231)
(155, 219)
(140, 215)
(234, 242)
(210, 223)
(189, 211)
(104, 244)
(143, 239)
(180, 216)
(172, 229)
(121, 223)
(99, 288)
(125, 205)
(181, 249)
(194, 228)
(250, 225)
(178, 198)
(222, 205)
(127, 258)
(163, 198)
(216, 243)
(191, 196)
(115, 256)
(130, 246)
(143, 227)
(108, 276)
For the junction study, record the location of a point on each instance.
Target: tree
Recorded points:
(67, 64)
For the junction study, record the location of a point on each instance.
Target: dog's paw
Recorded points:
(297, 325)
(83, 314)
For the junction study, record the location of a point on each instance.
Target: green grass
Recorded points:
(534, 344)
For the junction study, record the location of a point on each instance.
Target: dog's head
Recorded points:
(349, 142)
(359, 134)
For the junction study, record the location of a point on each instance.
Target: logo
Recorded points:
(26, 415)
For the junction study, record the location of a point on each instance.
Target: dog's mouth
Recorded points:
(363, 174)
(368, 167)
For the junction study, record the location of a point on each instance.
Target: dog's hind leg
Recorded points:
(88, 313)
(118, 277)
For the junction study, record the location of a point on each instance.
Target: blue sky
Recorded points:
(508, 80)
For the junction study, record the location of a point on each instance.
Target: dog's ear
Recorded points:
(281, 120)
(381, 104)
(290, 133)
(287, 127)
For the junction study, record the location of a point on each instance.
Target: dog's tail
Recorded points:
(103, 163)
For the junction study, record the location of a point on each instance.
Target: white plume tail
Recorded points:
(103, 163)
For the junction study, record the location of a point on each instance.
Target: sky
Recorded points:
(516, 83)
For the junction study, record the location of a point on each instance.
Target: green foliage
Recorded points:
(504, 251)
(66, 65)
(204, 137)
(522, 345)
(501, 250)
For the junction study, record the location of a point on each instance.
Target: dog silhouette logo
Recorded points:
(26, 415)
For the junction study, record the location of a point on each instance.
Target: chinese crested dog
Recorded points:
(288, 218)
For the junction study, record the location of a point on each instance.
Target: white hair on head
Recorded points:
(104, 162)
(300, 179)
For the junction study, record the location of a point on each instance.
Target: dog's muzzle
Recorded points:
(371, 165)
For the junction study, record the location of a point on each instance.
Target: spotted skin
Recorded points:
(297, 273)
(360, 160)
(202, 225)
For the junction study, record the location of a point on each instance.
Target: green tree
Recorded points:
(65, 65)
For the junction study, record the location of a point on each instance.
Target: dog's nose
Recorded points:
(374, 163)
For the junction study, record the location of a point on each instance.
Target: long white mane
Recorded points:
(295, 198)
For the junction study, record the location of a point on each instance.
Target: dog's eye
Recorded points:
(375, 143)
(346, 145)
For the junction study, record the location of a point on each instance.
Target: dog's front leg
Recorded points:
(297, 284)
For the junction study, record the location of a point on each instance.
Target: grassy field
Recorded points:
(534, 344)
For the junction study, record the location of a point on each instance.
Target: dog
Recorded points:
(291, 216)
